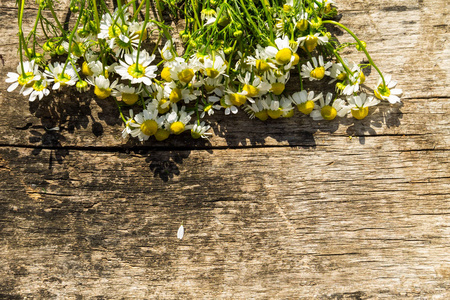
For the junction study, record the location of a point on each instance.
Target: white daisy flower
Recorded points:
(255, 87)
(257, 109)
(261, 60)
(310, 42)
(177, 120)
(183, 71)
(277, 83)
(111, 26)
(145, 124)
(360, 104)
(167, 52)
(231, 106)
(305, 101)
(325, 110)
(387, 92)
(317, 70)
(200, 131)
(301, 21)
(24, 79)
(214, 67)
(140, 72)
(102, 86)
(124, 44)
(56, 72)
(210, 106)
(209, 15)
(129, 94)
(283, 52)
(38, 89)
(127, 130)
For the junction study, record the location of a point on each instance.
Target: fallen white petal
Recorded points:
(180, 232)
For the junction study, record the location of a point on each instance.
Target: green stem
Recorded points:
(147, 17)
(56, 18)
(269, 19)
(71, 37)
(20, 17)
(97, 20)
(360, 45)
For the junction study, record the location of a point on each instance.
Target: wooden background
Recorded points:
(285, 209)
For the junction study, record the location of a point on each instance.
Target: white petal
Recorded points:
(180, 232)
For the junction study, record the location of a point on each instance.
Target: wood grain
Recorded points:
(287, 209)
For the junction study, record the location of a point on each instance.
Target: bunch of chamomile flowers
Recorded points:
(237, 55)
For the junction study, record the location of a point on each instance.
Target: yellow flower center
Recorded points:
(25, 79)
(195, 135)
(275, 114)
(237, 99)
(262, 115)
(362, 77)
(302, 25)
(328, 112)
(130, 99)
(311, 42)
(277, 88)
(296, 59)
(262, 66)
(175, 95)
(209, 88)
(287, 8)
(177, 127)
(149, 127)
(86, 70)
(327, 8)
(318, 73)
(39, 85)
(114, 30)
(165, 74)
(341, 76)
(207, 107)
(360, 113)
(382, 91)
(289, 114)
(62, 79)
(212, 73)
(161, 109)
(186, 75)
(251, 90)
(102, 93)
(161, 134)
(82, 86)
(283, 56)
(306, 107)
(136, 72)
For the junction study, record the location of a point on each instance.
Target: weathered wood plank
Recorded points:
(263, 223)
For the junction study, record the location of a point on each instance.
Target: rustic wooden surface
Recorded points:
(279, 210)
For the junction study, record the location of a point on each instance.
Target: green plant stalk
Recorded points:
(33, 31)
(20, 17)
(147, 17)
(97, 20)
(360, 45)
(120, 11)
(56, 18)
(344, 65)
(71, 37)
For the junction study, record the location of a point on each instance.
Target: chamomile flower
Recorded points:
(311, 41)
(25, 78)
(210, 106)
(39, 89)
(317, 70)
(178, 120)
(209, 15)
(283, 52)
(137, 70)
(231, 105)
(111, 26)
(127, 130)
(183, 71)
(167, 52)
(129, 94)
(145, 124)
(255, 87)
(277, 83)
(214, 66)
(102, 86)
(124, 44)
(387, 92)
(69, 77)
(360, 104)
(301, 21)
(261, 61)
(305, 101)
(257, 109)
(200, 131)
(326, 110)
